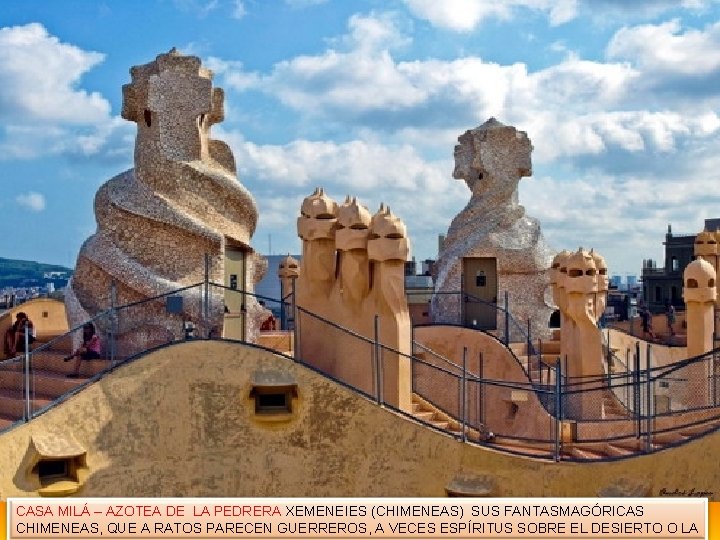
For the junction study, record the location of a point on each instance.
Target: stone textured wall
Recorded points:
(179, 422)
(492, 159)
(182, 200)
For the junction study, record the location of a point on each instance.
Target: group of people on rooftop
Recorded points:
(647, 321)
(23, 330)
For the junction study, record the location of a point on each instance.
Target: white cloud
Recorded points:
(467, 15)
(361, 165)
(200, 7)
(42, 108)
(32, 201)
(665, 48)
(239, 10)
(574, 108)
(231, 74)
(618, 153)
(280, 176)
(39, 76)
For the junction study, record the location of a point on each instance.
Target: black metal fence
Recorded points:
(635, 407)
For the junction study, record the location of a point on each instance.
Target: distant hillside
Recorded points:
(15, 273)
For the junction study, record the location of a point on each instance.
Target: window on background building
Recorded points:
(675, 264)
(658, 294)
(673, 294)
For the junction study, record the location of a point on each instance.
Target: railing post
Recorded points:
(283, 315)
(627, 378)
(636, 391)
(609, 360)
(462, 301)
(713, 370)
(296, 343)
(558, 408)
(376, 353)
(648, 401)
(26, 337)
(507, 319)
(113, 322)
(528, 347)
(481, 396)
(539, 359)
(464, 400)
(206, 304)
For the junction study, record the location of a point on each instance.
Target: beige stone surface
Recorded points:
(502, 413)
(492, 159)
(157, 221)
(353, 270)
(180, 422)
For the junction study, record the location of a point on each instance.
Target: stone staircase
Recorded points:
(429, 414)
(277, 340)
(590, 451)
(537, 365)
(423, 410)
(48, 379)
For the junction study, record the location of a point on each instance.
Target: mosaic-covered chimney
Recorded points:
(157, 222)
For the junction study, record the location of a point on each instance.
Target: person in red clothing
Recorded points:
(89, 350)
(270, 323)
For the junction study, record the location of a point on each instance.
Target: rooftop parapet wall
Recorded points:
(202, 439)
(182, 200)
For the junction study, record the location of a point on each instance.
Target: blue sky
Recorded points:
(620, 97)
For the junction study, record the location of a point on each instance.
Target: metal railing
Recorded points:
(466, 404)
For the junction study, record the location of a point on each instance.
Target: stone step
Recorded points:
(12, 403)
(62, 343)
(670, 437)
(612, 409)
(425, 416)
(278, 340)
(617, 451)
(52, 361)
(548, 349)
(551, 347)
(47, 383)
(6, 421)
(542, 377)
(699, 429)
(540, 450)
(586, 453)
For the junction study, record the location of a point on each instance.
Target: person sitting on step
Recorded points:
(89, 350)
(14, 341)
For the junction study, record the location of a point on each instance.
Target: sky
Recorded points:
(620, 99)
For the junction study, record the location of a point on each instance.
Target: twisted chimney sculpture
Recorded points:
(157, 222)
